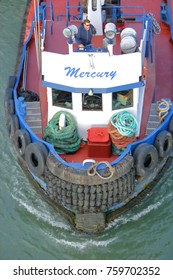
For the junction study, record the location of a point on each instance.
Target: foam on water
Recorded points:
(80, 242)
(124, 219)
(39, 211)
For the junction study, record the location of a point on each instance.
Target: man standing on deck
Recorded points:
(84, 35)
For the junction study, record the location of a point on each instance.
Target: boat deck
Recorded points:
(163, 50)
(163, 62)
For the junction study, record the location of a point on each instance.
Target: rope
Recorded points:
(163, 108)
(92, 170)
(155, 26)
(65, 140)
(122, 127)
(125, 123)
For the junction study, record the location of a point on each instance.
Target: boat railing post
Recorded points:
(151, 39)
(110, 49)
(51, 15)
(67, 12)
(70, 47)
(25, 69)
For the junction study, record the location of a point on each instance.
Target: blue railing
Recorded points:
(117, 12)
(166, 15)
(44, 16)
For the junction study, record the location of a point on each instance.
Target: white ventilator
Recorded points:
(62, 121)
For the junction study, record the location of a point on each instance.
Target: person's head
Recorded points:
(86, 24)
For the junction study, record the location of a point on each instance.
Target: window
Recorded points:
(62, 98)
(94, 5)
(122, 99)
(92, 102)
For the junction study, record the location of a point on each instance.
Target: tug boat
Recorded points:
(92, 126)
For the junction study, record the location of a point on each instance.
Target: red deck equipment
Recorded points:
(99, 144)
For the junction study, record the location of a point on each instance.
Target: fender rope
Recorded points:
(92, 170)
(163, 108)
(155, 25)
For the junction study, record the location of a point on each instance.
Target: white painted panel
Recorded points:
(91, 70)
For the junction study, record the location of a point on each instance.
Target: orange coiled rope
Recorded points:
(122, 128)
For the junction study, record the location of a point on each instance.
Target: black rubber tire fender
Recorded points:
(8, 94)
(21, 140)
(9, 106)
(11, 81)
(163, 143)
(12, 124)
(146, 159)
(170, 126)
(35, 156)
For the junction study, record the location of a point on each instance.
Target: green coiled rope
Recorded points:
(65, 140)
(125, 123)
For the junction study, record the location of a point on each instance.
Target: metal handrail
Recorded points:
(25, 64)
(116, 11)
(45, 19)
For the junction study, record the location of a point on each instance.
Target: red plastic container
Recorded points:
(99, 144)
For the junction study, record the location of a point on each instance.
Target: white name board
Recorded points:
(91, 70)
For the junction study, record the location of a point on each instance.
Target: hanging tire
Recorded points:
(170, 126)
(9, 106)
(8, 94)
(12, 124)
(35, 156)
(21, 141)
(146, 159)
(12, 81)
(163, 143)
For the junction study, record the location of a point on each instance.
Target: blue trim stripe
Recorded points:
(95, 90)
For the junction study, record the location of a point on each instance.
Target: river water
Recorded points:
(32, 229)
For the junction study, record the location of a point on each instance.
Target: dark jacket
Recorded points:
(83, 36)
